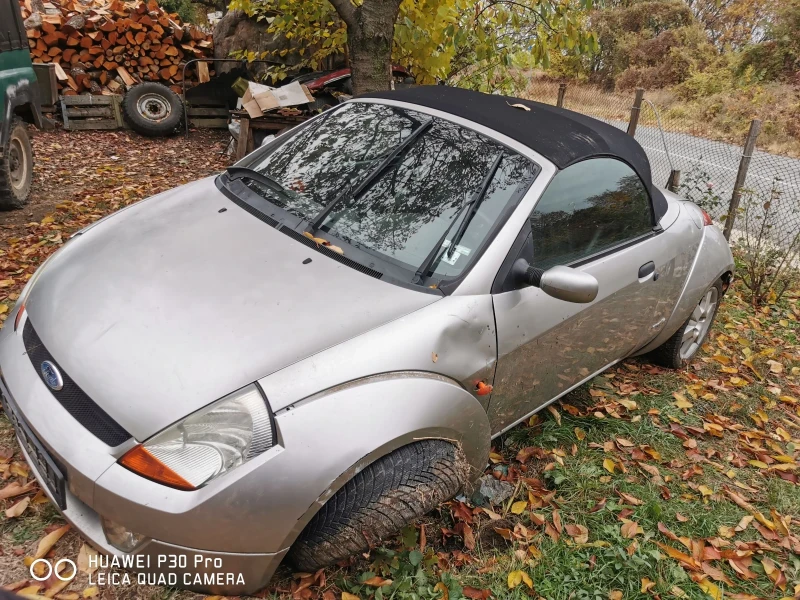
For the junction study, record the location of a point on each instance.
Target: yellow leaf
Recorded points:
(705, 490)
(580, 433)
(681, 401)
(527, 580)
(615, 595)
(378, 581)
(18, 508)
(93, 591)
(48, 219)
(87, 560)
(784, 323)
(519, 507)
(647, 585)
(348, 596)
(710, 588)
(609, 465)
(514, 579)
(48, 541)
(495, 457)
(758, 464)
(441, 587)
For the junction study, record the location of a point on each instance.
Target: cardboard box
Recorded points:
(259, 98)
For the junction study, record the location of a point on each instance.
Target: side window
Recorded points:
(587, 208)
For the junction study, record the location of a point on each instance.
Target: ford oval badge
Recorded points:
(52, 376)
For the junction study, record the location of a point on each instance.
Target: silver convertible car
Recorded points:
(297, 357)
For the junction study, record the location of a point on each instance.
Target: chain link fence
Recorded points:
(746, 191)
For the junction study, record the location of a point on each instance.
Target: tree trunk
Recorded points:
(370, 30)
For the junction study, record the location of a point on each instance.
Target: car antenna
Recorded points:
(395, 152)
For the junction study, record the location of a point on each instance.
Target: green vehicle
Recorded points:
(20, 106)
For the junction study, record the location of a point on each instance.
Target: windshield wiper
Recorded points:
(472, 207)
(373, 175)
(258, 177)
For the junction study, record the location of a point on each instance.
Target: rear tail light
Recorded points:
(706, 218)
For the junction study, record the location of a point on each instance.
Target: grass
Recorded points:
(724, 117)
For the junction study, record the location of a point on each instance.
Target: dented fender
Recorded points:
(334, 435)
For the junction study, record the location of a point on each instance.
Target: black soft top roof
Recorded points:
(562, 136)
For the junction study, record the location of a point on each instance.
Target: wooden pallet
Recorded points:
(91, 112)
(212, 117)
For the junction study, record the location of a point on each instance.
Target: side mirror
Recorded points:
(564, 283)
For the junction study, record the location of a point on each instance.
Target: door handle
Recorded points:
(647, 269)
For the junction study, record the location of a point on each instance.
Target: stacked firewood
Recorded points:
(104, 46)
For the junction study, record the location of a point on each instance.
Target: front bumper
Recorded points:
(157, 560)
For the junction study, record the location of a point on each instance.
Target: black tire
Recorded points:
(16, 167)
(379, 501)
(668, 354)
(152, 109)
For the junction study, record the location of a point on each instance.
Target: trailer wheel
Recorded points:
(16, 167)
(152, 109)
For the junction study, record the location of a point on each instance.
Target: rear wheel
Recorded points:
(379, 501)
(684, 343)
(16, 167)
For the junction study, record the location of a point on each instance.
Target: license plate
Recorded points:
(48, 468)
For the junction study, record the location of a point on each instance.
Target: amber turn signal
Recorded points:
(18, 318)
(144, 463)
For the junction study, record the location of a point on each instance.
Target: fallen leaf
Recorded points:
(17, 509)
(87, 559)
(377, 581)
(349, 596)
(475, 593)
(681, 401)
(647, 585)
(580, 434)
(48, 541)
(517, 577)
(520, 106)
(609, 465)
(519, 507)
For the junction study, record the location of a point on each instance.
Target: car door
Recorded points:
(595, 216)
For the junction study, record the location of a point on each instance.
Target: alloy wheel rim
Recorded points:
(699, 323)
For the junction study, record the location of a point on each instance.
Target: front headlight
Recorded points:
(206, 444)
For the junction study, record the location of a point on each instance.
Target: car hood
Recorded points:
(174, 303)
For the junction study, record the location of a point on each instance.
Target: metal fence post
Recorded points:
(562, 89)
(741, 175)
(674, 180)
(636, 109)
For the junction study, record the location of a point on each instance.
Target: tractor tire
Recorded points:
(379, 501)
(16, 167)
(152, 109)
(676, 352)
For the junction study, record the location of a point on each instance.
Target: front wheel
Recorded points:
(378, 501)
(16, 167)
(684, 343)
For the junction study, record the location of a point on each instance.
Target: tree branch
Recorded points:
(346, 10)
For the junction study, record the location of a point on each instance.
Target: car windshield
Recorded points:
(395, 183)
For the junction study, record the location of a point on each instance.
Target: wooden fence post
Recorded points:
(562, 89)
(741, 175)
(674, 180)
(635, 110)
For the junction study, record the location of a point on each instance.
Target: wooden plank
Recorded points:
(117, 111)
(202, 72)
(244, 134)
(98, 111)
(87, 100)
(208, 112)
(209, 123)
(64, 112)
(87, 124)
